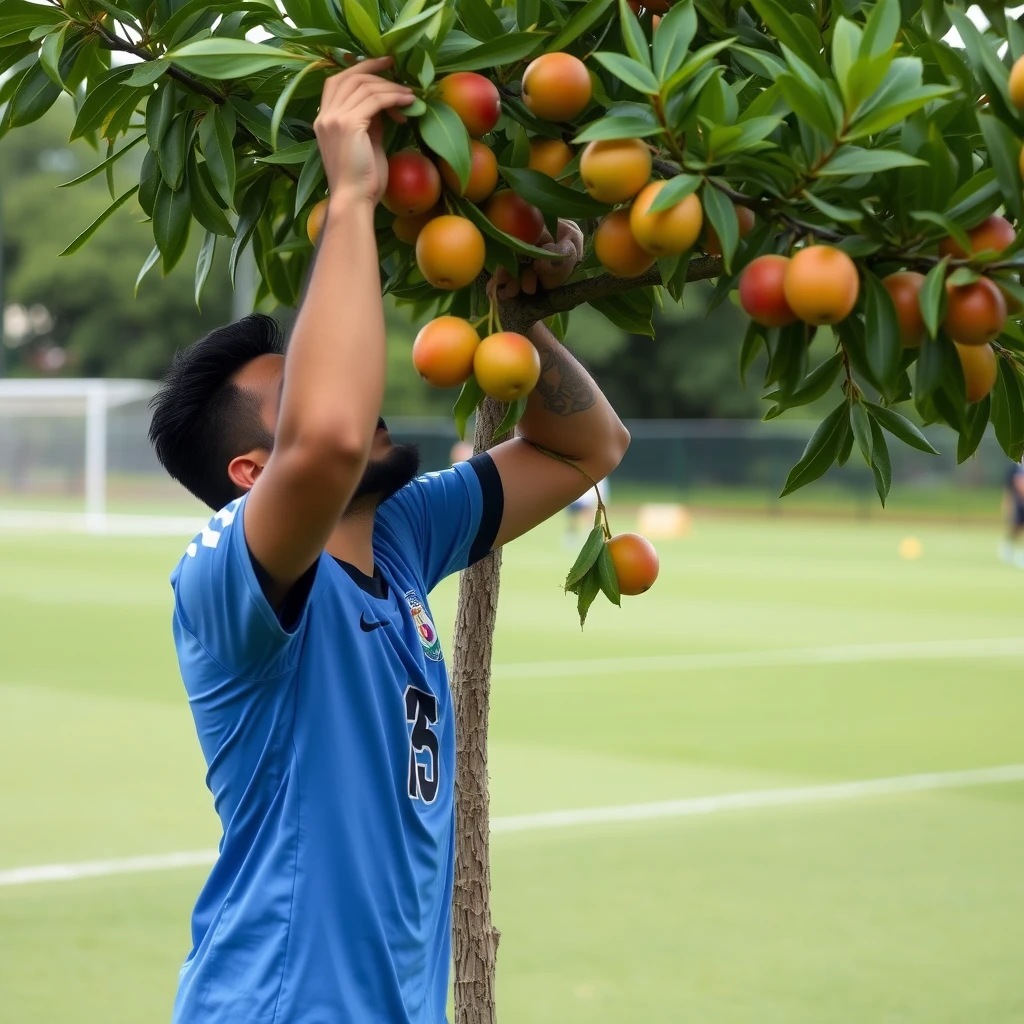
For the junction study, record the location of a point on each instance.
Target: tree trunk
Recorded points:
(474, 938)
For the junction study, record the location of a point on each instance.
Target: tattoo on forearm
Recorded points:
(563, 386)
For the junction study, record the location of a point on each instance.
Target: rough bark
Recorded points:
(474, 937)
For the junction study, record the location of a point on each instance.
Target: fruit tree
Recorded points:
(833, 166)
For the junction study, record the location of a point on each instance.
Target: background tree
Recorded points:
(840, 163)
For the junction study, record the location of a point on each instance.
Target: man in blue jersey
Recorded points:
(1013, 509)
(305, 640)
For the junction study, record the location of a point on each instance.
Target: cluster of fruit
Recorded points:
(819, 285)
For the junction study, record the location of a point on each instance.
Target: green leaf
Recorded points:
(850, 160)
(507, 49)
(95, 225)
(633, 36)
(742, 137)
(203, 263)
(978, 197)
(675, 191)
(216, 139)
(796, 31)
(473, 212)
(618, 128)
(469, 398)
(406, 33)
(587, 557)
(513, 414)
(284, 99)
(35, 94)
(49, 54)
(976, 418)
(822, 449)
(527, 13)
(296, 154)
(310, 176)
(550, 197)
(673, 38)
(722, 214)
(625, 312)
(860, 423)
(172, 217)
(808, 105)
(170, 154)
(159, 114)
(589, 588)
(846, 39)
(878, 118)
(634, 74)
(151, 261)
(147, 72)
(881, 465)
(101, 167)
(1008, 410)
(814, 386)
(607, 577)
(480, 19)
(880, 31)
(253, 203)
(833, 212)
(585, 16)
(899, 426)
(443, 131)
(882, 332)
(752, 342)
(204, 205)
(932, 297)
(949, 227)
(220, 57)
(1004, 152)
(694, 64)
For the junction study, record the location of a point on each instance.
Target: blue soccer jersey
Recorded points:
(331, 751)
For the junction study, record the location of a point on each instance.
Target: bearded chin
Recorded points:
(384, 477)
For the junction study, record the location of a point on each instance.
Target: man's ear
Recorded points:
(244, 470)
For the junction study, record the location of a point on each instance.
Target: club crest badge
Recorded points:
(428, 635)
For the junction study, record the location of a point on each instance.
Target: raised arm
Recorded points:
(334, 370)
(567, 414)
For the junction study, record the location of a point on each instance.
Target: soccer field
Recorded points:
(773, 660)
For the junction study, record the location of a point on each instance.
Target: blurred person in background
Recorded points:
(462, 451)
(580, 514)
(1013, 510)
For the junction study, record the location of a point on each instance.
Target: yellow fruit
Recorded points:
(315, 220)
(1016, 84)
(821, 285)
(615, 170)
(556, 86)
(450, 252)
(549, 156)
(443, 351)
(507, 366)
(667, 232)
(980, 371)
(616, 248)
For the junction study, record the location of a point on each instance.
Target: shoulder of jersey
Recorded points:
(210, 535)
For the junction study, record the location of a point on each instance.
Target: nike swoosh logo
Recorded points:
(369, 627)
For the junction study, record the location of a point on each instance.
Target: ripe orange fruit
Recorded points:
(483, 174)
(443, 351)
(450, 252)
(615, 170)
(635, 561)
(904, 287)
(744, 221)
(315, 220)
(667, 232)
(821, 284)
(616, 248)
(975, 313)
(993, 232)
(556, 86)
(762, 291)
(979, 365)
(1016, 84)
(512, 214)
(414, 185)
(408, 228)
(474, 98)
(549, 156)
(507, 366)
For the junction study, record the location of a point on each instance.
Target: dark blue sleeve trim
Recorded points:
(294, 603)
(492, 505)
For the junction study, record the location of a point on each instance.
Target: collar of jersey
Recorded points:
(375, 585)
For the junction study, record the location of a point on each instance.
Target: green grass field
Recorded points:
(893, 908)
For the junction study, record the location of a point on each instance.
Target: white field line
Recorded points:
(838, 654)
(690, 807)
(110, 523)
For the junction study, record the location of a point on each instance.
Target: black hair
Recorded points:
(202, 419)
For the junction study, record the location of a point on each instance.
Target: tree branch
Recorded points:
(117, 43)
(521, 313)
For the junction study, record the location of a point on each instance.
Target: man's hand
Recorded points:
(349, 131)
(567, 251)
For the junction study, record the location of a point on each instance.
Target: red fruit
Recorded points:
(474, 98)
(483, 174)
(975, 312)
(762, 292)
(556, 86)
(414, 185)
(993, 233)
(904, 288)
(512, 214)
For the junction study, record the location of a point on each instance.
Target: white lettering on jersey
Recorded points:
(211, 538)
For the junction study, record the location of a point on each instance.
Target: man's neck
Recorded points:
(352, 538)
